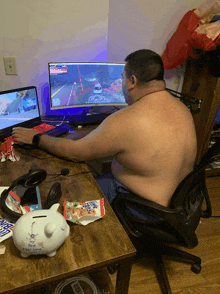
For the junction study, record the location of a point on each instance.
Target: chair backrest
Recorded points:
(190, 194)
(192, 190)
(189, 197)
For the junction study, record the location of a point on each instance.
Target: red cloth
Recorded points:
(180, 45)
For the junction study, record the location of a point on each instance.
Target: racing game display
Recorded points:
(17, 107)
(85, 84)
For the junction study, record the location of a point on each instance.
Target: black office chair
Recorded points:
(178, 221)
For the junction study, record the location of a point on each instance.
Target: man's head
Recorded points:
(145, 65)
(141, 68)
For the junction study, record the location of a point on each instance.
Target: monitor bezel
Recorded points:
(6, 132)
(81, 105)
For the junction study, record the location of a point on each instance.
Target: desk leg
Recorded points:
(123, 276)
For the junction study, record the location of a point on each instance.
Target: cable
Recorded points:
(67, 159)
(57, 175)
(63, 172)
(36, 156)
(71, 159)
(64, 158)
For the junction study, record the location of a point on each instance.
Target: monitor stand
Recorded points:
(93, 115)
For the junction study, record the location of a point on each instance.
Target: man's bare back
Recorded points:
(159, 146)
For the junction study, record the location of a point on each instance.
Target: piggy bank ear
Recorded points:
(55, 207)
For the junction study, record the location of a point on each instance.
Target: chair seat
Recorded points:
(162, 231)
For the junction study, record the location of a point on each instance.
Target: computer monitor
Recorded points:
(18, 107)
(83, 84)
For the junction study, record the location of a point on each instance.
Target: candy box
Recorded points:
(5, 229)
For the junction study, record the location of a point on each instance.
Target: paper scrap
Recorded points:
(2, 249)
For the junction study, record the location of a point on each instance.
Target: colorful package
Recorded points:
(5, 229)
(13, 202)
(83, 213)
(7, 150)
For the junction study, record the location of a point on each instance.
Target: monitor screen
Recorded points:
(74, 84)
(18, 106)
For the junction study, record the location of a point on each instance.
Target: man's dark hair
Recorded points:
(145, 65)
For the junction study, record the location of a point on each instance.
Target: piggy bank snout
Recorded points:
(49, 229)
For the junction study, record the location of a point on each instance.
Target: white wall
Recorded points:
(38, 32)
(138, 24)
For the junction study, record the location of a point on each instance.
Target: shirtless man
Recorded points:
(153, 141)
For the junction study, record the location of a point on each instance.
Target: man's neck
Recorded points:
(153, 87)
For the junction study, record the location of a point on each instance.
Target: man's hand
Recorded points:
(24, 135)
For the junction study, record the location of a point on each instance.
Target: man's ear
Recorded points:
(132, 79)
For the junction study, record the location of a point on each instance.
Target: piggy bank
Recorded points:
(40, 232)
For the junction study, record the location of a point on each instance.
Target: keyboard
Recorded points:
(57, 131)
(51, 131)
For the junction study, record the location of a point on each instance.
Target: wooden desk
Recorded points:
(100, 244)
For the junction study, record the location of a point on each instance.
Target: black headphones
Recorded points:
(30, 180)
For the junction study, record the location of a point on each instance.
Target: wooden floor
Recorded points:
(182, 279)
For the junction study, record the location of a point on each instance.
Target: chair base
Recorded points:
(157, 250)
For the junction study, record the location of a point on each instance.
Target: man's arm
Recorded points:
(104, 141)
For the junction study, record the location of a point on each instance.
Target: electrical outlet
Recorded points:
(10, 65)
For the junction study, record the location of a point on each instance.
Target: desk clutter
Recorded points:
(36, 230)
(7, 149)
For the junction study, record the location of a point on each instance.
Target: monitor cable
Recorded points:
(65, 158)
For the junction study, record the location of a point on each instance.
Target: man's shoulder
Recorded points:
(128, 116)
(119, 116)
